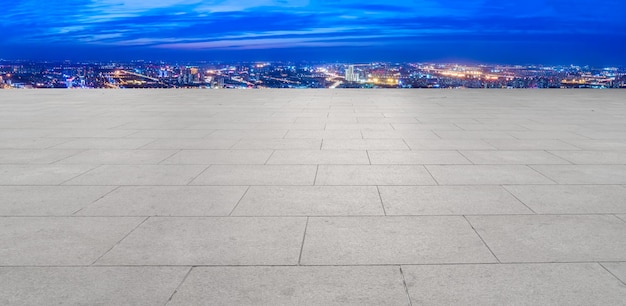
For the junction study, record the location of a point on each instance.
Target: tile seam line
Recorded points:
(530, 166)
(431, 175)
(118, 242)
(149, 143)
(314, 216)
(189, 183)
(306, 226)
(466, 158)
(609, 271)
(69, 139)
(168, 157)
(79, 175)
(512, 194)
(96, 200)
(483, 184)
(80, 151)
(269, 157)
(618, 217)
(406, 288)
(179, 285)
(237, 204)
(481, 239)
(317, 169)
(315, 265)
(380, 197)
(559, 157)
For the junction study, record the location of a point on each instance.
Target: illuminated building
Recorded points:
(351, 75)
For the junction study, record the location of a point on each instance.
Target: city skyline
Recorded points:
(538, 31)
(147, 74)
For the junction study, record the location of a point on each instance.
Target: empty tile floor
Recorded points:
(317, 197)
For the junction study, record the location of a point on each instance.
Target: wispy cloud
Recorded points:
(266, 24)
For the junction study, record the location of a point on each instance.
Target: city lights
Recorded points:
(143, 74)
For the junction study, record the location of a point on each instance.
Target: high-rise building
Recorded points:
(351, 75)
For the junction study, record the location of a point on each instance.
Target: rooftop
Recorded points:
(285, 197)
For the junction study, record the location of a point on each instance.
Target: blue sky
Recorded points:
(493, 31)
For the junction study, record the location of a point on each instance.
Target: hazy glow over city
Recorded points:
(530, 31)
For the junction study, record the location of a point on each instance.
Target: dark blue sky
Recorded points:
(491, 31)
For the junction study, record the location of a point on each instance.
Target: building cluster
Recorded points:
(143, 74)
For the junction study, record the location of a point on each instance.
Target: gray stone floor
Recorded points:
(318, 197)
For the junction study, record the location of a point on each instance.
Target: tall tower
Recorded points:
(350, 75)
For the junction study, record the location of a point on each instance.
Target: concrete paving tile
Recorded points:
(167, 201)
(546, 135)
(575, 199)
(191, 144)
(449, 200)
(40, 174)
(473, 134)
(386, 120)
(47, 200)
(373, 175)
(253, 134)
(593, 157)
(530, 144)
(364, 144)
(416, 157)
(308, 157)
(90, 133)
(170, 134)
(552, 127)
(358, 126)
(618, 269)
(392, 240)
(519, 284)
(242, 175)
(512, 157)
(89, 285)
(119, 157)
(486, 175)
(222, 125)
(158, 125)
(188, 233)
(43, 241)
(309, 201)
(425, 126)
(278, 144)
(491, 127)
(323, 120)
(448, 144)
(599, 135)
(30, 143)
(211, 241)
(105, 143)
(23, 133)
(584, 174)
(393, 134)
(292, 286)
(34, 156)
(205, 157)
(139, 175)
(588, 144)
(553, 238)
(327, 134)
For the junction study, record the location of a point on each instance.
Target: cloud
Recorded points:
(267, 24)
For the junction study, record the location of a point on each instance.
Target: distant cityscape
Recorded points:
(144, 74)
